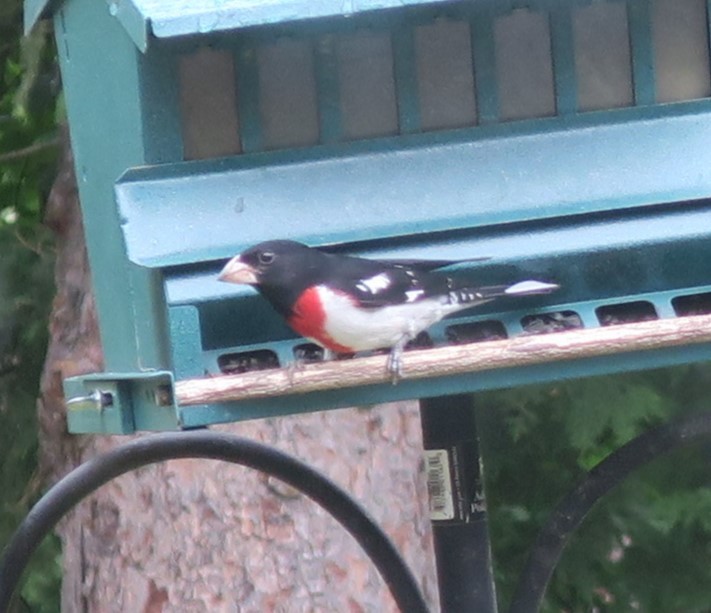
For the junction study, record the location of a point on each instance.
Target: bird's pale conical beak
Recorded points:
(236, 271)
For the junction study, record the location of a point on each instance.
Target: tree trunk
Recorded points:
(196, 535)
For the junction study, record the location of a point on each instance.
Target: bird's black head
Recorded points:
(279, 269)
(269, 263)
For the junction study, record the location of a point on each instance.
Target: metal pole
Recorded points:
(457, 505)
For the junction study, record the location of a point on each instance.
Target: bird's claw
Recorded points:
(393, 366)
(304, 356)
(292, 368)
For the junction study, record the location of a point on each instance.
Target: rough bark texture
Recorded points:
(194, 535)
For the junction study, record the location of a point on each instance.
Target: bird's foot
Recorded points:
(312, 354)
(393, 366)
(294, 367)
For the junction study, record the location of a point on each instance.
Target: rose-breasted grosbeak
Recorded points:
(349, 304)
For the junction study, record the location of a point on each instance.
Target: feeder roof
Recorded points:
(168, 18)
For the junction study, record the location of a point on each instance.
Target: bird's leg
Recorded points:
(302, 359)
(293, 367)
(394, 364)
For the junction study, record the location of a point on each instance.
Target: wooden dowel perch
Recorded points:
(450, 360)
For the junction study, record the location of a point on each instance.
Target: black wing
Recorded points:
(381, 283)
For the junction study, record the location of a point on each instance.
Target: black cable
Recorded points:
(88, 477)
(572, 509)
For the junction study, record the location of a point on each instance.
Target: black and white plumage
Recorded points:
(349, 304)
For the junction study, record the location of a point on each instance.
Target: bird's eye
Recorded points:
(266, 257)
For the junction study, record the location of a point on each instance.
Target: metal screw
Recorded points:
(163, 396)
(95, 401)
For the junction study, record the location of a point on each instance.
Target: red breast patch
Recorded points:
(308, 318)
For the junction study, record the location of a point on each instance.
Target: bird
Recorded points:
(348, 304)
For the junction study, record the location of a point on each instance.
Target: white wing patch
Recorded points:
(373, 285)
(414, 294)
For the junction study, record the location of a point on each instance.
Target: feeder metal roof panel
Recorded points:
(169, 18)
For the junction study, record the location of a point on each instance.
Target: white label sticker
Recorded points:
(439, 484)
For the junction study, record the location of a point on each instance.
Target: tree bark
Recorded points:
(194, 535)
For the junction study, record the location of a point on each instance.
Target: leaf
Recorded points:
(605, 413)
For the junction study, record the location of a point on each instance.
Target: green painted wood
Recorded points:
(107, 113)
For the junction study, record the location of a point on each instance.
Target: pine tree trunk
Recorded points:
(196, 535)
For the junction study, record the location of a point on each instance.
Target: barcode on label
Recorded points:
(439, 484)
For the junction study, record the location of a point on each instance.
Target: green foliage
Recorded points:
(645, 546)
(28, 139)
(29, 89)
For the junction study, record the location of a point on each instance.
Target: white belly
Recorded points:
(366, 329)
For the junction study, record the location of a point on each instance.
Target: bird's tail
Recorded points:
(479, 295)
